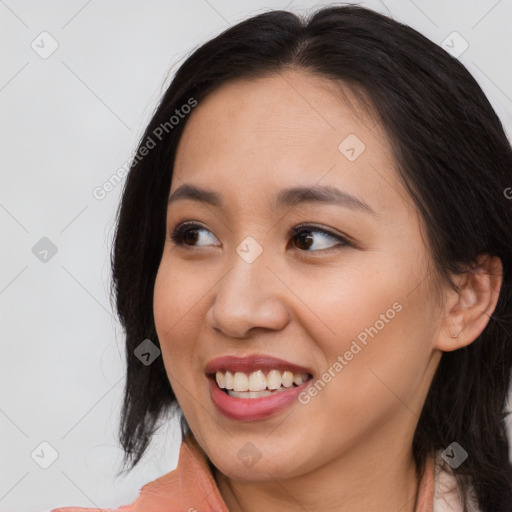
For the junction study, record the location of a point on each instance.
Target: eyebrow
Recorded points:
(286, 197)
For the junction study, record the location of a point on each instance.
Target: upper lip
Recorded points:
(251, 364)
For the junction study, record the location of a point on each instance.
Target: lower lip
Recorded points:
(252, 409)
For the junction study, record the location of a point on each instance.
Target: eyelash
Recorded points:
(181, 230)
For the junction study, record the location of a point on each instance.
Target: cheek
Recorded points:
(176, 296)
(378, 328)
(346, 302)
(175, 309)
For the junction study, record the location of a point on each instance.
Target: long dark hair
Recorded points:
(452, 155)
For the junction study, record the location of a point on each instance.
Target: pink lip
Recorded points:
(251, 364)
(252, 409)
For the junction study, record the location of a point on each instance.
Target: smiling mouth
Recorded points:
(258, 384)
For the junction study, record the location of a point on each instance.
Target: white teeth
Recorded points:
(228, 380)
(287, 379)
(257, 382)
(274, 379)
(221, 379)
(240, 382)
(253, 394)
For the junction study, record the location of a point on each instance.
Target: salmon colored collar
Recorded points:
(191, 486)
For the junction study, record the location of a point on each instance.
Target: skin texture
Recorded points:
(349, 448)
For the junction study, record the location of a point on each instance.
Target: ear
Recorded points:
(467, 312)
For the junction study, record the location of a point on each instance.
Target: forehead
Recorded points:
(283, 108)
(253, 136)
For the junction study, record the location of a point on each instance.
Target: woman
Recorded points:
(316, 234)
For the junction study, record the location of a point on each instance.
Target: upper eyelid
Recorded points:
(293, 231)
(297, 229)
(312, 227)
(181, 226)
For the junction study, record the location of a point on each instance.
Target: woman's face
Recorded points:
(352, 305)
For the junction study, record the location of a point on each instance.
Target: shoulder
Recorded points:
(154, 495)
(124, 508)
(190, 486)
(145, 500)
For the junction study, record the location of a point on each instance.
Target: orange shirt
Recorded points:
(192, 488)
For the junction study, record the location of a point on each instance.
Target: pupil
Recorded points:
(190, 237)
(305, 237)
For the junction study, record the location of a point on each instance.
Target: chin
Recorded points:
(252, 465)
(260, 472)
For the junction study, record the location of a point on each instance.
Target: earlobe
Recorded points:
(467, 312)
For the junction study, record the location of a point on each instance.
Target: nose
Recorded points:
(248, 297)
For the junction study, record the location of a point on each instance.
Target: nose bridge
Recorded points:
(248, 295)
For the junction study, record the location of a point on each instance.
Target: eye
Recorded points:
(187, 233)
(305, 239)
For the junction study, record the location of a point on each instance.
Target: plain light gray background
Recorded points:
(69, 121)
